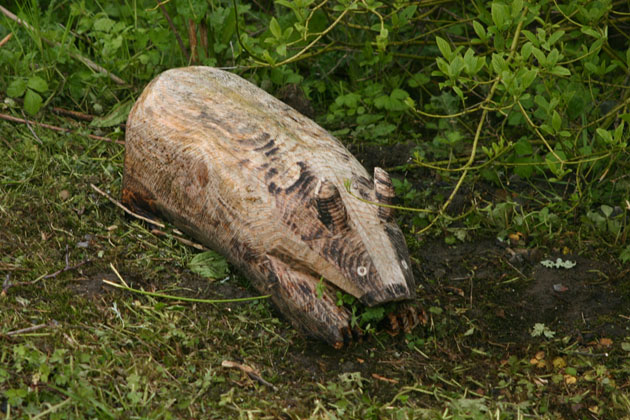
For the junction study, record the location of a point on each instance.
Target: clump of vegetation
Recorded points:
(500, 119)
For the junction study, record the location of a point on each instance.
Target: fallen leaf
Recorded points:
(64, 195)
(570, 379)
(559, 363)
(605, 342)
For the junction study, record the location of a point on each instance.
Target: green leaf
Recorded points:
(16, 88)
(555, 37)
(382, 39)
(540, 56)
(32, 102)
(444, 47)
(275, 28)
(607, 210)
(560, 71)
(523, 147)
(481, 31)
(38, 84)
(528, 77)
(209, 264)
(556, 121)
(517, 6)
(103, 24)
(282, 49)
(116, 116)
(526, 50)
(499, 14)
(605, 135)
(399, 94)
(498, 63)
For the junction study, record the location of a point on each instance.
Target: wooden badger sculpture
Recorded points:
(250, 177)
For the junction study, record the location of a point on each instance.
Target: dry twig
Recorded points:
(125, 209)
(6, 39)
(53, 324)
(172, 26)
(11, 118)
(249, 371)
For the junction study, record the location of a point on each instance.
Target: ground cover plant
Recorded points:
(504, 124)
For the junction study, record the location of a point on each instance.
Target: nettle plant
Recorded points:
(534, 92)
(530, 93)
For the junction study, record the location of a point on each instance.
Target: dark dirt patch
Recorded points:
(509, 291)
(92, 285)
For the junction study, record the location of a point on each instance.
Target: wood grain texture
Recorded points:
(250, 177)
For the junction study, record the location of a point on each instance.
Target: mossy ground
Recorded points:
(98, 352)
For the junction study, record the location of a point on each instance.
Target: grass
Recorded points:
(499, 342)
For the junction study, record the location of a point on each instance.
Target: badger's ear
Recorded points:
(332, 211)
(384, 190)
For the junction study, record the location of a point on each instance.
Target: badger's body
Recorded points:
(250, 177)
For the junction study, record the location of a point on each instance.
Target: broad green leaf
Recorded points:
(605, 135)
(499, 14)
(553, 57)
(282, 49)
(399, 94)
(498, 63)
(116, 116)
(444, 47)
(607, 210)
(38, 84)
(528, 77)
(560, 71)
(16, 88)
(275, 28)
(103, 24)
(556, 121)
(382, 39)
(523, 147)
(618, 132)
(517, 6)
(209, 264)
(540, 56)
(555, 37)
(590, 31)
(526, 50)
(32, 102)
(481, 31)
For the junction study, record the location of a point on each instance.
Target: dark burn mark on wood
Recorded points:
(272, 151)
(273, 188)
(210, 121)
(255, 141)
(267, 145)
(364, 186)
(303, 185)
(376, 296)
(271, 173)
(330, 208)
(306, 291)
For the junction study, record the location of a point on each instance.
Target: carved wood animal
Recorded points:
(250, 177)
